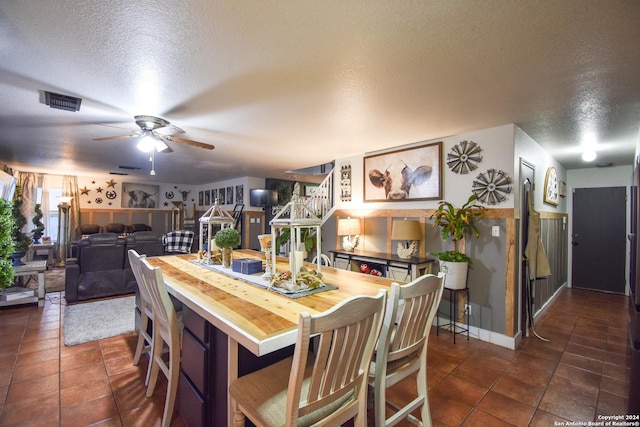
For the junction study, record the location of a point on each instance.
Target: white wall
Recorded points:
(246, 183)
(497, 152)
(529, 150)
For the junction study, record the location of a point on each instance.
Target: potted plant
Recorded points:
(21, 241)
(39, 226)
(227, 239)
(454, 224)
(6, 244)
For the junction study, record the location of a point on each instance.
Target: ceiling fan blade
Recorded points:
(168, 130)
(190, 142)
(110, 138)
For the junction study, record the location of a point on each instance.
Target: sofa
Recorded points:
(101, 266)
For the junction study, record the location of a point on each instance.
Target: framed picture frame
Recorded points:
(407, 174)
(240, 194)
(221, 198)
(229, 195)
(214, 195)
(140, 196)
(207, 198)
(200, 198)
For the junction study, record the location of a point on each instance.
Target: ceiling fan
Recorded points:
(154, 133)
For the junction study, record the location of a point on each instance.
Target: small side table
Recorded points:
(453, 325)
(35, 247)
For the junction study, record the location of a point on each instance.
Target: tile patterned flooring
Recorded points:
(580, 373)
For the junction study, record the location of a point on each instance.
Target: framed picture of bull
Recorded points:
(409, 174)
(141, 196)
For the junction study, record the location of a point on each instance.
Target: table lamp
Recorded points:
(410, 232)
(348, 227)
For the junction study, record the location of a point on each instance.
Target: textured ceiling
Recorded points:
(282, 85)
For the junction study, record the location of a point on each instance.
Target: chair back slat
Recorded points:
(402, 347)
(135, 260)
(339, 366)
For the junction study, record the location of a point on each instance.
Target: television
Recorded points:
(7, 186)
(261, 197)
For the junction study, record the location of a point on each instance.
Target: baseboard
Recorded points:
(484, 335)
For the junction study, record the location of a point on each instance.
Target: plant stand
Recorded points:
(453, 325)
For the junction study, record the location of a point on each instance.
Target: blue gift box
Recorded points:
(247, 266)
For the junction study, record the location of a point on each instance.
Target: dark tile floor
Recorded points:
(580, 373)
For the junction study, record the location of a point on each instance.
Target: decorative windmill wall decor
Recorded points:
(464, 156)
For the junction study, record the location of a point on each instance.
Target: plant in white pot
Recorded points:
(454, 224)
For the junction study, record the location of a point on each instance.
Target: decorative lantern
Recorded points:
(215, 215)
(300, 216)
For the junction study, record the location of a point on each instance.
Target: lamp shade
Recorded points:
(65, 199)
(406, 229)
(348, 227)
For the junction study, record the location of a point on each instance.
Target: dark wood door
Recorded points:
(599, 239)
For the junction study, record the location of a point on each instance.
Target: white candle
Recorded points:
(295, 260)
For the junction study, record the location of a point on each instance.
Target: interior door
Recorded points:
(599, 239)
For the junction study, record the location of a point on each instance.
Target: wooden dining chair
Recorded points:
(166, 331)
(145, 336)
(402, 347)
(322, 388)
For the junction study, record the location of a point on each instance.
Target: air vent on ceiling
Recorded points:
(62, 102)
(132, 168)
(118, 173)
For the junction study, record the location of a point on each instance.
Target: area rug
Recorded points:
(90, 321)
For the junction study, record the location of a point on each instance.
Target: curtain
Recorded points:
(70, 188)
(28, 183)
(46, 214)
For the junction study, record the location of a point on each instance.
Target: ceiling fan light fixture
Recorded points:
(589, 156)
(160, 145)
(146, 143)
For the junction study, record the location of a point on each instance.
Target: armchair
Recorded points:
(98, 269)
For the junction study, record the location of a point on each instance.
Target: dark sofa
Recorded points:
(101, 267)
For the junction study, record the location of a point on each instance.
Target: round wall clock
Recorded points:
(551, 187)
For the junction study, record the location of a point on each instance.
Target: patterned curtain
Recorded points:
(28, 183)
(70, 188)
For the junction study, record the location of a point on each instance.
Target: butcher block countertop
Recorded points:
(260, 320)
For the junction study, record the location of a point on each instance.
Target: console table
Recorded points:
(390, 266)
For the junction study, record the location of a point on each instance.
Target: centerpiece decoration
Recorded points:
(227, 239)
(306, 279)
(265, 246)
(209, 252)
(295, 217)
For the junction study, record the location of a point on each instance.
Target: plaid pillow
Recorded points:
(178, 241)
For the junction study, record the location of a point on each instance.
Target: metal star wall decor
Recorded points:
(464, 156)
(492, 186)
(84, 191)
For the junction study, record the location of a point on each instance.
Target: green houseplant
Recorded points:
(36, 221)
(454, 224)
(227, 239)
(6, 244)
(21, 241)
